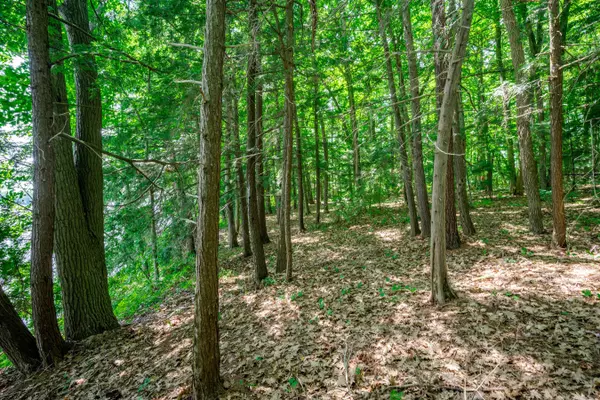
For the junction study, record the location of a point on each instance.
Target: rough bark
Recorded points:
(347, 71)
(230, 180)
(16, 341)
(325, 169)
(79, 232)
(206, 379)
(260, 267)
(412, 211)
(440, 287)
(49, 340)
(559, 234)
(241, 186)
(452, 236)
(261, 177)
(418, 170)
(153, 235)
(524, 109)
(299, 168)
(317, 145)
(284, 259)
(460, 169)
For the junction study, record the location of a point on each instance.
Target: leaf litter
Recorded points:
(356, 322)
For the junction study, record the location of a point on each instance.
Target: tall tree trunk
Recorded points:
(452, 236)
(326, 168)
(15, 339)
(260, 167)
(524, 108)
(460, 168)
(412, 211)
(241, 186)
(440, 287)
(154, 238)
(559, 234)
(49, 340)
(206, 380)
(299, 168)
(260, 267)
(317, 144)
(284, 258)
(230, 180)
(80, 256)
(510, 153)
(419, 172)
(353, 122)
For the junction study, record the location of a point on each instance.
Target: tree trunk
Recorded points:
(260, 267)
(440, 287)
(49, 340)
(154, 236)
(299, 167)
(452, 236)
(347, 71)
(206, 380)
(460, 168)
(326, 168)
(284, 258)
(316, 129)
(80, 256)
(524, 108)
(419, 172)
(15, 339)
(559, 234)
(260, 167)
(412, 211)
(241, 186)
(229, 180)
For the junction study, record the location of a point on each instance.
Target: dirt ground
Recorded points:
(357, 322)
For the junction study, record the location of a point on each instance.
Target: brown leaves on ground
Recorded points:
(357, 322)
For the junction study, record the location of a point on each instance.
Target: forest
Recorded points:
(299, 199)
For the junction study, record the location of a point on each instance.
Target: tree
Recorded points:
(524, 109)
(260, 267)
(412, 211)
(440, 287)
(559, 235)
(80, 254)
(50, 342)
(16, 341)
(419, 171)
(207, 381)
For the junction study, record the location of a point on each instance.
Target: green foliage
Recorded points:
(396, 395)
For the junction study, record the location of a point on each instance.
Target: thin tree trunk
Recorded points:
(260, 267)
(353, 122)
(154, 236)
(241, 186)
(559, 234)
(284, 258)
(524, 109)
(317, 145)
(419, 172)
(460, 168)
(299, 168)
(440, 287)
(326, 168)
(412, 211)
(49, 340)
(260, 167)
(229, 180)
(206, 379)
(16, 341)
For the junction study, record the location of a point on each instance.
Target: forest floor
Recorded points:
(357, 321)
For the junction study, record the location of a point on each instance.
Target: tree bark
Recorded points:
(49, 340)
(412, 211)
(80, 255)
(284, 259)
(16, 341)
(241, 186)
(524, 109)
(326, 168)
(299, 169)
(440, 287)
(460, 168)
(418, 170)
(260, 267)
(559, 234)
(206, 380)
(229, 180)
(261, 180)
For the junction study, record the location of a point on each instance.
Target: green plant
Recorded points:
(396, 395)
(321, 303)
(587, 293)
(511, 295)
(345, 291)
(381, 292)
(526, 252)
(297, 295)
(268, 281)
